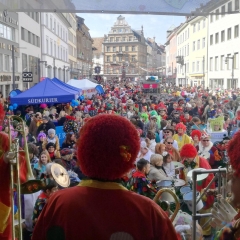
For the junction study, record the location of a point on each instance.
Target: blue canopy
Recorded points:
(47, 92)
(59, 82)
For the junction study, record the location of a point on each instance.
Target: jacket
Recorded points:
(157, 174)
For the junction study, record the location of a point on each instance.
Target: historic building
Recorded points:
(98, 57)
(125, 52)
(84, 49)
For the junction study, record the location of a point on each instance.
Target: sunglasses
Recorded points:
(169, 142)
(166, 132)
(205, 140)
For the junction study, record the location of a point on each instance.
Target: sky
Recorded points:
(153, 25)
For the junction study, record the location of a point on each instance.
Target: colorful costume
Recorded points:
(101, 208)
(189, 151)
(181, 139)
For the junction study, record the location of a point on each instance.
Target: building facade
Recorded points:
(84, 49)
(72, 46)
(30, 46)
(9, 36)
(223, 47)
(125, 52)
(55, 58)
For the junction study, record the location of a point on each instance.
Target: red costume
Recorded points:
(102, 208)
(5, 196)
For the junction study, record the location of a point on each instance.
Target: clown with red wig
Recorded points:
(191, 161)
(196, 136)
(100, 207)
(181, 137)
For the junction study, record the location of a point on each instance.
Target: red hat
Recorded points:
(234, 153)
(188, 151)
(196, 133)
(115, 152)
(180, 125)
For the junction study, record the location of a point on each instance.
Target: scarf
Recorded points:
(51, 140)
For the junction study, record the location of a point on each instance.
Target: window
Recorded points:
(216, 38)
(111, 39)
(46, 46)
(51, 27)
(133, 48)
(194, 27)
(198, 44)
(124, 39)
(223, 36)
(193, 67)
(223, 10)
(187, 49)
(22, 33)
(130, 39)
(211, 18)
(199, 25)
(108, 49)
(204, 23)
(6, 62)
(222, 62)
(133, 58)
(120, 58)
(55, 50)
(194, 46)
(29, 37)
(198, 69)
(114, 58)
(120, 49)
(1, 62)
(211, 64)
(236, 31)
(51, 48)
(126, 48)
(217, 14)
(114, 49)
(118, 39)
(58, 32)
(203, 43)
(228, 62)
(55, 29)
(216, 63)
(236, 5)
(46, 20)
(236, 59)
(211, 40)
(108, 59)
(24, 62)
(230, 7)
(229, 34)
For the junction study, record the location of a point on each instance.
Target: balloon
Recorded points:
(10, 107)
(15, 105)
(82, 97)
(73, 101)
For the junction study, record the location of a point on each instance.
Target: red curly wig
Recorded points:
(188, 151)
(107, 147)
(234, 153)
(180, 125)
(196, 133)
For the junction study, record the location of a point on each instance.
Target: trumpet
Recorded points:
(31, 185)
(158, 195)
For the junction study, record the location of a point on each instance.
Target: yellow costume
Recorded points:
(182, 140)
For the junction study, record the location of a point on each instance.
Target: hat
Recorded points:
(45, 118)
(51, 131)
(41, 135)
(180, 125)
(188, 151)
(196, 133)
(66, 151)
(168, 129)
(234, 153)
(50, 145)
(154, 117)
(115, 153)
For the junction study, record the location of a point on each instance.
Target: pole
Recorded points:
(13, 67)
(64, 77)
(203, 71)
(39, 70)
(54, 69)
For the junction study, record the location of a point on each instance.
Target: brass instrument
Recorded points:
(31, 185)
(158, 195)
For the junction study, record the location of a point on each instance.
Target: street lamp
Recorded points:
(180, 60)
(226, 62)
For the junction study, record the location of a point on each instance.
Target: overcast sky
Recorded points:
(153, 26)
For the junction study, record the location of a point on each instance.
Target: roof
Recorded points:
(97, 44)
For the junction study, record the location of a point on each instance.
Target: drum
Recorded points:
(188, 199)
(166, 184)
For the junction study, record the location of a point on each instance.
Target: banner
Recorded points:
(150, 86)
(61, 134)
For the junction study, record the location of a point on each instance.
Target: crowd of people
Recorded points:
(173, 126)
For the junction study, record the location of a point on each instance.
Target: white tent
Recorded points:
(83, 84)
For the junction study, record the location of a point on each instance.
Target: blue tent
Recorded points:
(59, 82)
(47, 92)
